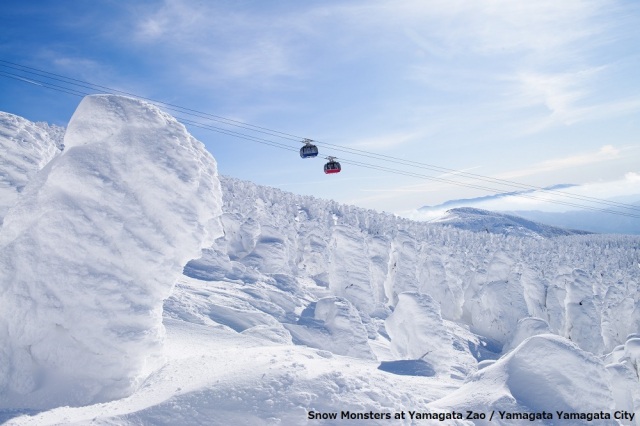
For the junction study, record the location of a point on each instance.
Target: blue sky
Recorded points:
(542, 92)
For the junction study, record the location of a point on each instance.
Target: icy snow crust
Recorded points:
(308, 305)
(93, 246)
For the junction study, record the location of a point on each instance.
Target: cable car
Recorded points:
(332, 166)
(309, 150)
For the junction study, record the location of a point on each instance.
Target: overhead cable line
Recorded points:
(485, 188)
(340, 148)
(409, 174)
(172, 107)
(258, 129)
(276, 133)
(405, 173)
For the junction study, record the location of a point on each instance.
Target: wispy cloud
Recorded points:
(468, 48)
(220, 44)
(606, 153)
(569, 197)
(383, 142)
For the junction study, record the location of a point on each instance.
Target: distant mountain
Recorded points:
(592, 221)
(462, 202)
(478, 220)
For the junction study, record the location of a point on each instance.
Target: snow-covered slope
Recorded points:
(478, 220)
(306, 308)
(319, 248)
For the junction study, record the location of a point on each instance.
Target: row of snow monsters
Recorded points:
(309, 150)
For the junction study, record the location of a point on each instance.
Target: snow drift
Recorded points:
(94, 244)
(544, 373)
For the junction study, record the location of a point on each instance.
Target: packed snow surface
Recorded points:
(93, 246)
(303, 308)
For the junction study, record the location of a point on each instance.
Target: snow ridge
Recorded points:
(479, 220)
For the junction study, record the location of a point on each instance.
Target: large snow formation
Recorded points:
(584, 286)
(417, 331)
(25, 148)
(93, 246)
(544, 374)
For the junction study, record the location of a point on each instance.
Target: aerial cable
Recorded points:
(44, 84)
(173, 107)
(289, 136)
(237, 134)
(407, 173)
(271, 132)
(484, 188)
(488, 179)
(283, 135)
(286, 147)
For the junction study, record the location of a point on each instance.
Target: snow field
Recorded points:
(577, 284)
(302, 305)
(214, 375)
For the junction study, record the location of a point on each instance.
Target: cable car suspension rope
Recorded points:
(283, 135)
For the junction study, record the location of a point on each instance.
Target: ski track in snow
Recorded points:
(308, 305)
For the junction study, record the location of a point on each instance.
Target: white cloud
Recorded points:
(626, 186)
(383, 142)
(218, 44)
(606, 153)
(632, 177)
(617, 191)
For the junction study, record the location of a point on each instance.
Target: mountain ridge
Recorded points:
(479, 220)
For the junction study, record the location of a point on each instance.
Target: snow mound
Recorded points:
(26, 147)
(527, 327)
(624, 370)
(334, 324)
(91, 249)
(544, 373)
(417, 331)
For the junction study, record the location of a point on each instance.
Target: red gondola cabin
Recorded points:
(332, 166)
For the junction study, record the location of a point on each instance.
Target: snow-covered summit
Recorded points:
(479, 220)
